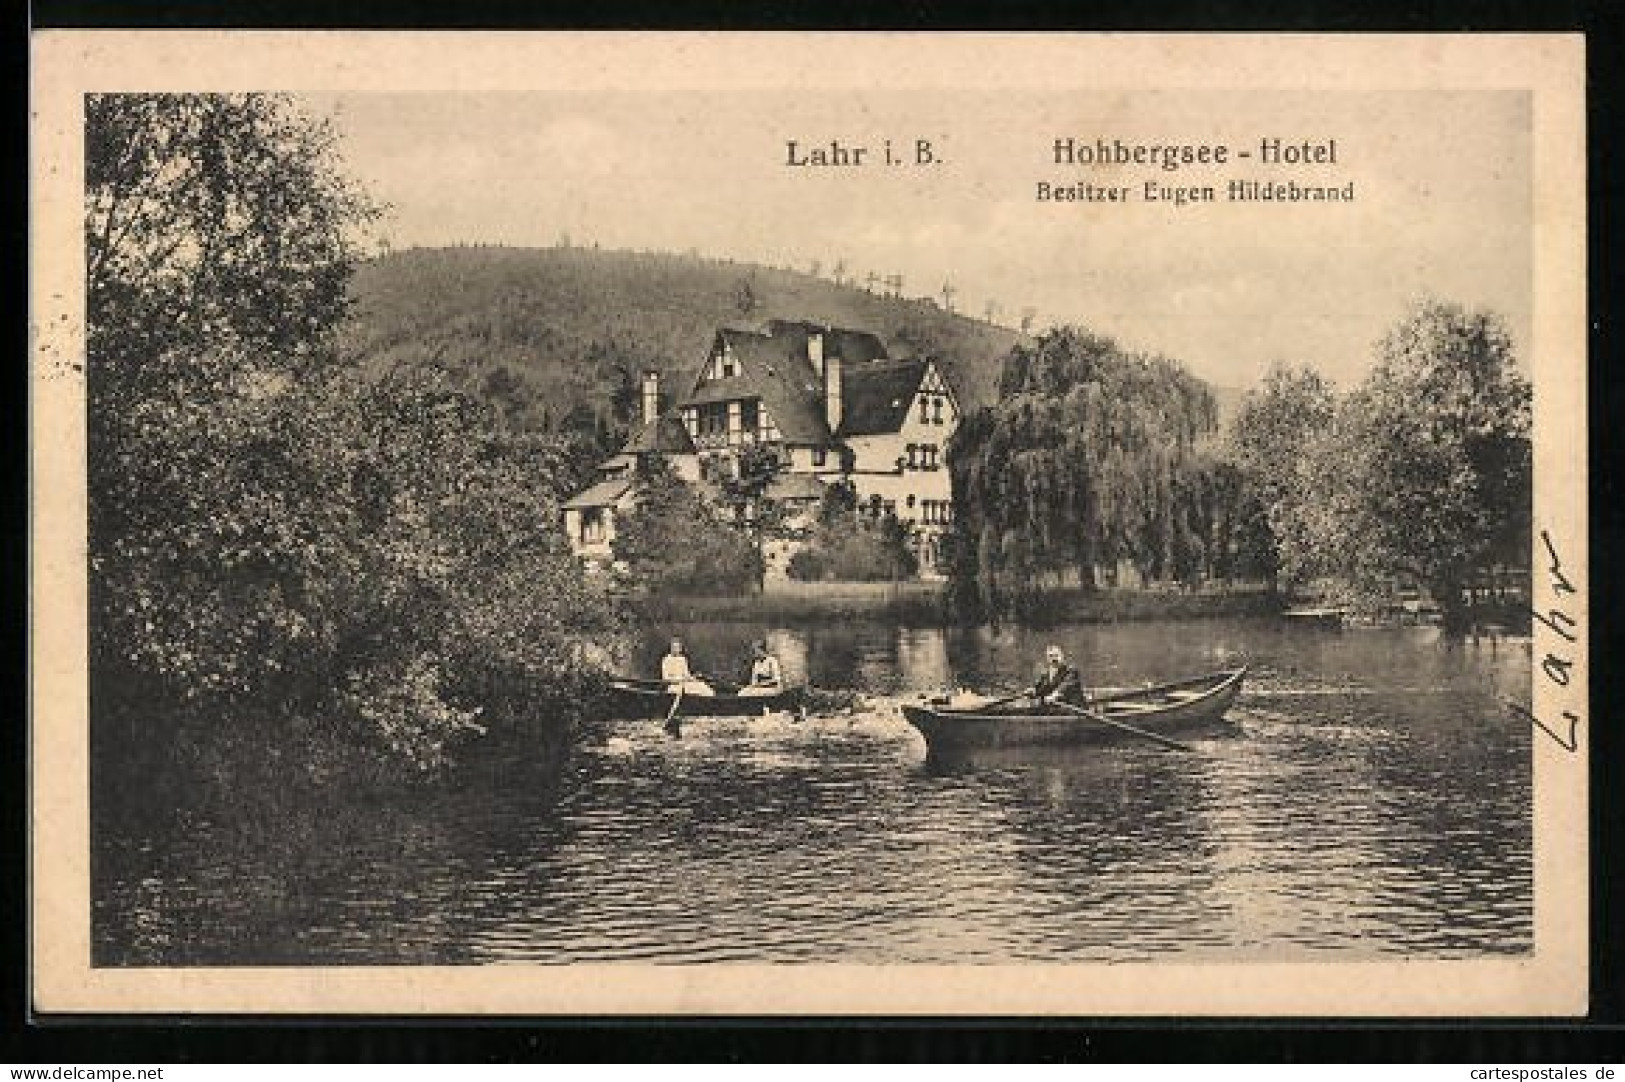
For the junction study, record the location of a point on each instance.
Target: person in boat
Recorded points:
(677, 675)
(1057, 681)
(766, 675)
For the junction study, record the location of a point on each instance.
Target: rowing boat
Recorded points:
(631, 697)
(1164, 709)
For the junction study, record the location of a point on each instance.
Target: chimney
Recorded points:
(651, 396)
(832, 393)
(815, 350)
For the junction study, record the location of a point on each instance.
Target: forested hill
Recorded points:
(559, 335)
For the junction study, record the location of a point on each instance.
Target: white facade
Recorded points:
(907, 471)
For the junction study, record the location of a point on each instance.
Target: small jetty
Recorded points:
(1317, 616)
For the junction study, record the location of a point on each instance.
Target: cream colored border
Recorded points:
(67, 64)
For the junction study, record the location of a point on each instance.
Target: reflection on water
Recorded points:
(1367, 797)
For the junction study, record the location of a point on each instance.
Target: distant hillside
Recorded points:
(560, 334)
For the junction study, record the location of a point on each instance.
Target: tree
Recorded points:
(210, 218)
(673, 541)
(1276, 441)
(1421, 474)
(287, 550)
(745, 299)
(849, 546)
(1088, 458)
(1436, 456)
(219, 235)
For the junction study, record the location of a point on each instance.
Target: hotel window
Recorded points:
(819, 456)
(592, 525)
(913, 451)
(750, 415)
(911, 501)
(925, 410)
(936, 410)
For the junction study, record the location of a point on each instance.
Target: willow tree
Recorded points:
(1089, 458)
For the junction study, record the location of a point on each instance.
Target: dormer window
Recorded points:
(723, 365)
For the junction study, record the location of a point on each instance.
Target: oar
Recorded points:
(1096, 716)
(1007, 699)
(673, 726)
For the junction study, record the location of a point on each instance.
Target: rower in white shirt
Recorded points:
(766, 676)
(677, 675)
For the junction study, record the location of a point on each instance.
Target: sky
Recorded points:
(1441, 206)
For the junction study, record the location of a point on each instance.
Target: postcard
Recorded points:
(896, 524)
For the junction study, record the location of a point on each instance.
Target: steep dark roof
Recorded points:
(603, 494)
(773, 367)
(875, 397)
(667, 435)
(852, 347)
(772, 370)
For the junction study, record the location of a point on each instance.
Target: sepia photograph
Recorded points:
(779, 523)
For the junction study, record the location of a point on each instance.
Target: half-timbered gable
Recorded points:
(830, 402)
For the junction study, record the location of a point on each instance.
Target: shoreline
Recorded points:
(926, 603)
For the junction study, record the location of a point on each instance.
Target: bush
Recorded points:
(850, 547)
(286, 552)
(675, 542)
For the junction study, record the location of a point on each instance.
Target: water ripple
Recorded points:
(1363, 802)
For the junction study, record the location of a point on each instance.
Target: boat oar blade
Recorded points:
(673, 726)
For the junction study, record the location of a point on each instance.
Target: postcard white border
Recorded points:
(67, 64)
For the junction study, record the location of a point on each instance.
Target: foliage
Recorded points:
(745, 299)
(211, 218)
(675, 542)
(744, 490)
(1092, 456)
(1276, 441)
(1421, 474)
(1434, 458)
(573, 327)
(278, 539)
(849, 546)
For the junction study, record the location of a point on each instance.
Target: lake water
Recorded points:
(1371, 797)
